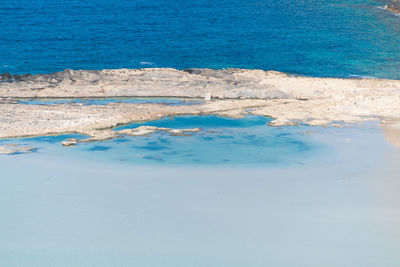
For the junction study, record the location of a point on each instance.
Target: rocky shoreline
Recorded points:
(16, 149)
(287, 99)
(189, 83)
(394, 6)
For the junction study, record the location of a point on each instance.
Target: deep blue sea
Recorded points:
(338, 38)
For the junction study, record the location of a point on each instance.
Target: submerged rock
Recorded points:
(145, 130)
(101, 135)
(70, 142)
(14, 149)
(391, 132)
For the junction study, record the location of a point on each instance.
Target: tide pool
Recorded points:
(221, 141)
(239, 192)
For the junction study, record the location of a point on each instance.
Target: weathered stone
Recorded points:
(287, 99)
(14, 148)
(145, 130)
(394, 6)
(5, 77)
(8, 100)
(226, 84)
(70, 142)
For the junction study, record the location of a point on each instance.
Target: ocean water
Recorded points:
(339, 38)
(239, 192)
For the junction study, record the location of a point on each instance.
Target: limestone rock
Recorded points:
(192, 83)
(70, 142)
(145, 130)
(13, 149)
(287, 99)
(8, 100)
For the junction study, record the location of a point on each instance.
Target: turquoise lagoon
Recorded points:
(238, 193)
(221, 140)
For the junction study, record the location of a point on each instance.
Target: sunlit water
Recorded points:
(326, 198)
(220, 141)
(238, 193)
(336, 38)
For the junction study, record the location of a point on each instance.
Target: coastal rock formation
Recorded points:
(8, 100)
(17, 120)
(70, 142)
(235, 92)
(394, 6)
(14, 148)
(198, 83)
(139, 131)
(145, 130)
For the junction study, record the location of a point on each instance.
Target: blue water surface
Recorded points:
(337, 38)
(205, 122)
(221, 141)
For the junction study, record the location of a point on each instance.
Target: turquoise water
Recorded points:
(238, 193)
(338, 209)
(221, 141)
(105, 101)
(207, 122)
(313, 37)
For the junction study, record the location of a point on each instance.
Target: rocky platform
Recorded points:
(221, 84)
(233, 92)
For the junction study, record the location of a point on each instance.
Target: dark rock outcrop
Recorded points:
(394, 6)
(7, 77)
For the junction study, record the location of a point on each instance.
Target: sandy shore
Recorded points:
(234, 92)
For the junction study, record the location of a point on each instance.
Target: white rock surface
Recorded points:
(287, 99)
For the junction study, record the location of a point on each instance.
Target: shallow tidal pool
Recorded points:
(221, 141)
(237, 193)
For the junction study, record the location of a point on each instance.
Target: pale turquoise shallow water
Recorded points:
(239, 193)
(221, 141)
(337, 208)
